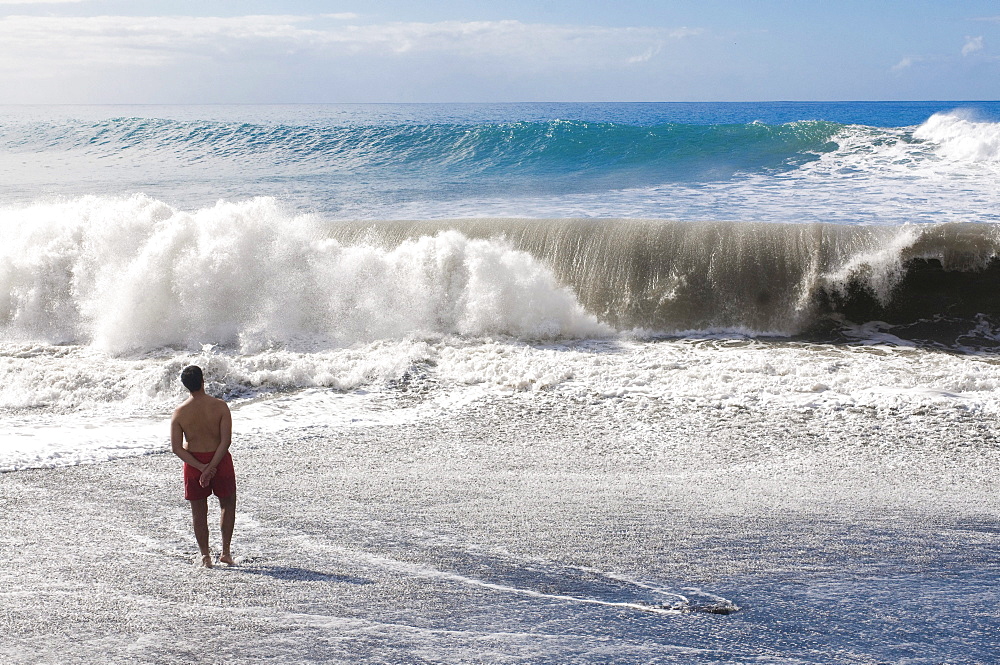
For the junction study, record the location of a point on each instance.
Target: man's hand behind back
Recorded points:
(206, 476)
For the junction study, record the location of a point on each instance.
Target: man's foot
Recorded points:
(206, 560)
(227, 559)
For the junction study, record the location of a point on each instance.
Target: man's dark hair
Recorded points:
(192, 378)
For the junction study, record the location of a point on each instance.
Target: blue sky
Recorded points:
(291, 51)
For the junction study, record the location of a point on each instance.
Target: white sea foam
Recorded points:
(133, 275)
(946, 169)
(127, 274)
(103, 300)
(960, 138)
(89, 407)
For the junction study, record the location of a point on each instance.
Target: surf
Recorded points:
(133, 274)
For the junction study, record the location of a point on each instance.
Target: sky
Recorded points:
(307, 51)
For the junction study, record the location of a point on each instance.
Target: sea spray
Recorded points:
(134, 274)
(753, 278)
(959, 137)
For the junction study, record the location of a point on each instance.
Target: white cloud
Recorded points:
(64, 59)
(681, 33)
(38, 2)
(972, 44)
(505, 39)
(905, 63)
(82, 41)
(645, 56)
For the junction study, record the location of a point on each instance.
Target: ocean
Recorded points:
(750, 347)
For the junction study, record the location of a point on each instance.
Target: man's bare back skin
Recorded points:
(200, 434)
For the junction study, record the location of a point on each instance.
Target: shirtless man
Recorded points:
(207, 426)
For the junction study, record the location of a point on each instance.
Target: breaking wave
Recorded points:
(134, 274)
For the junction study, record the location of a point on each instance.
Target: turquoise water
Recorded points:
(667, 161)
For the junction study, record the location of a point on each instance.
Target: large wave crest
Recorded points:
(133, 274)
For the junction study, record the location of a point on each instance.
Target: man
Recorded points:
(207, 425)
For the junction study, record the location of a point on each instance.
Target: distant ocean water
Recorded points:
(849, 163)
(281, 239)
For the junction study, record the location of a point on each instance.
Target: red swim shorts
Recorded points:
(223, 484)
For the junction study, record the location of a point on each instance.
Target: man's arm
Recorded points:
(177, 445)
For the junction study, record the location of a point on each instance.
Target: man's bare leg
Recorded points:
(199, 515)
(228, 522)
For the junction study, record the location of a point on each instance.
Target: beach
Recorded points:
(529, 526)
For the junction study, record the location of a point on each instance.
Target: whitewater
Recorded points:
(559, 383)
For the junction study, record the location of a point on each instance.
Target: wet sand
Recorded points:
(529, 528)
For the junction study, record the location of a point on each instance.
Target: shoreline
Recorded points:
(468, 539)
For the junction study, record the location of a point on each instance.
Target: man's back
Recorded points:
(201, 419)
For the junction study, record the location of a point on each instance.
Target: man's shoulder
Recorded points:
(214, 406)
(200, 406)
(181, 408)
(220, 403)
(179, 413)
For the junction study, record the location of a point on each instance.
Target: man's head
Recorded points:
(192, 378)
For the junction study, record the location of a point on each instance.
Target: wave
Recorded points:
(959, 137)
(134, 274)
(753, 278)
(809, 171)
(536, 147)
(549, 147)
(947, 145)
